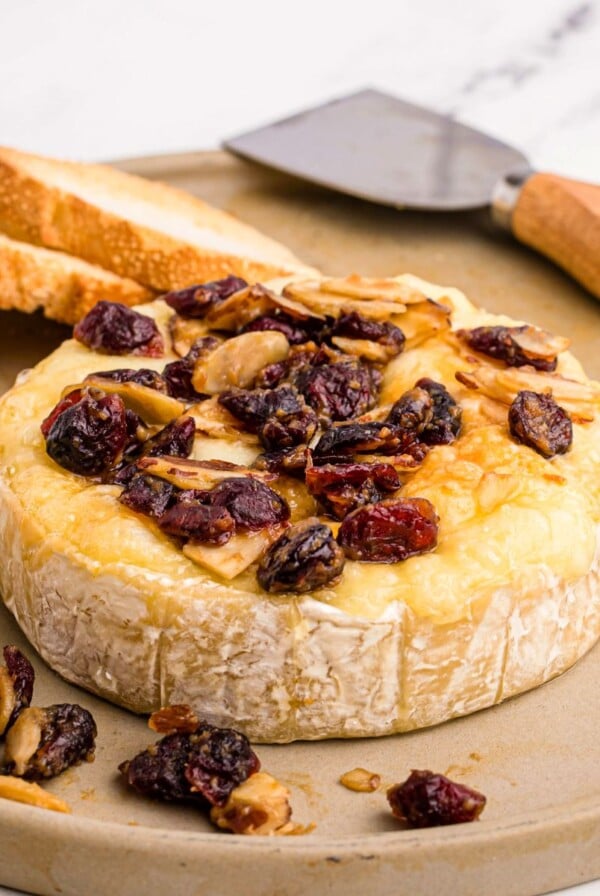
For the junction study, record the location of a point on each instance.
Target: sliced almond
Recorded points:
(360, 780)
(424, 320)
(365, 348)
(403, 463)
(27, 792)
(214, 420)
(202, 474)
(536, 343)
(24, 738)
(154, 407)
(184, 332)
(581, 399)
(7, 698)
(232, 558)
(247, 304)
(260, 805)
(309, 293)
(238, 361)
(387, 289)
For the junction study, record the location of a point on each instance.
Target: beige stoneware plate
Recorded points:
(536, 757)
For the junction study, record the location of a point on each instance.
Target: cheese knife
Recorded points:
(377, 147)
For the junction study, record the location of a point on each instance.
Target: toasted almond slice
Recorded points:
(404, 463)
(385, 288)
(536, 343)
(364, 348)
(238, 361)
(360, 780)
(7, 698)
(214, 420)
(26, 792)
(154, 407)
(260, 805)
(23, 738)
(424, 320)
(309, 293)
(230, 559)
(202, 474)
(184, 332)
(247, 304)
(581, 399)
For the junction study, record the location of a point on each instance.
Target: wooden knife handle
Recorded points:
(561, 219)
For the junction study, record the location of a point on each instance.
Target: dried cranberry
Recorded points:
(447, 416)
(67, 402)
(304, 558)
(390, 531)
(354, 326)
(360, 438)
(282, 432)
(115, 329)
(218, 762)
(427, 800)
(197, 300)
(202, 767)
(251, 503)
(143, 377)
(498, 342)
(176, 439)
(68, 734)
(293, 331)
(413, 411)
(539, 422)
(198, 521)
(22, 677)
(290, 461)
(89, 437)
(148, 495)
(342, 488)
(338, 391)
(300, 358)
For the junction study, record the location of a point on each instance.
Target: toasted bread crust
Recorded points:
(65, 288)
(95, 213)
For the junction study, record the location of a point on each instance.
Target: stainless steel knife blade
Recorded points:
(378, 147)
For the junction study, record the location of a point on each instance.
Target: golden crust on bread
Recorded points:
(143, 230)
(509, 599)
(64, 287)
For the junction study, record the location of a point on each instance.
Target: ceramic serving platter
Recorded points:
(536, 757)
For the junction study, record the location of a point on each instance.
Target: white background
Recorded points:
(113, 79)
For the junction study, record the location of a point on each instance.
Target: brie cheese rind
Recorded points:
(509, 599)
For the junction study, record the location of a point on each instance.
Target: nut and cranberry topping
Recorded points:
(189, 518)
(294, 330)
(178, 374)
(427, 800)
(516, 346)
(202, 766)
(196, 301)
(148, 495)
(260, 805)
(354, 326)
(142, 376)
(390, 531)
(170, 719)
(536, 420)
(16, 686)
(238, 361)
(115, 329)
(341, 488)
(413, 411)
(44, 742)
(306, 557)
(338, 390)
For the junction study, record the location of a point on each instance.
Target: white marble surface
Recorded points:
(129, 77)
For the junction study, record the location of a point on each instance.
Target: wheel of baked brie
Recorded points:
(330, 508)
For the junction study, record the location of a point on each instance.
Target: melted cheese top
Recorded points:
(506, 514)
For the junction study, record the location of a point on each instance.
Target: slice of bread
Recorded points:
(65, 288)
(148, 231)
